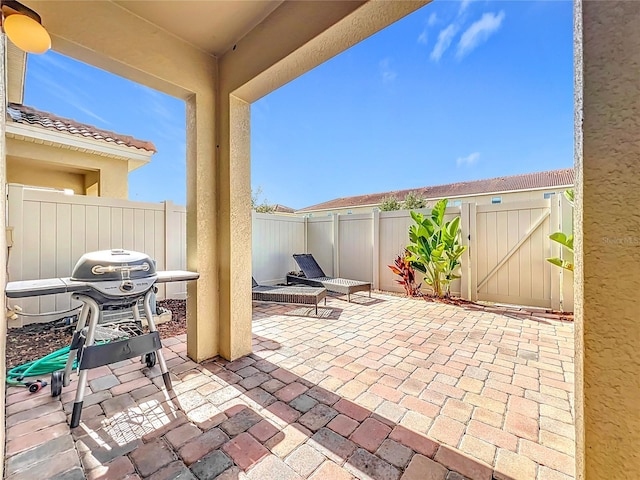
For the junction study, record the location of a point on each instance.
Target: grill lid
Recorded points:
(109, 265)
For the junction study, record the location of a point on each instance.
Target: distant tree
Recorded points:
(413, 201)
(390, 203)
(255, 197)
(260, 206)
(265, 208)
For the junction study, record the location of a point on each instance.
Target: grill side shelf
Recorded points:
(46, 286)
(165, 276)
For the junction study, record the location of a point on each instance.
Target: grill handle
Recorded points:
(99, 269)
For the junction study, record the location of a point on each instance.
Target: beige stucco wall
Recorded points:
(31, 175)
(3, 245)
(608, 240)
(43, 165)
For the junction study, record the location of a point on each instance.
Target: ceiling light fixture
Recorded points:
(24, 27)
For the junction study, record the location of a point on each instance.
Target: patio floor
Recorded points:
(382, 388)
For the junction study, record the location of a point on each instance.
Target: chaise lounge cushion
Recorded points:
(314, 275)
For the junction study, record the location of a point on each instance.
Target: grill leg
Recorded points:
(82, 321)
(82, 377)
(152, 328)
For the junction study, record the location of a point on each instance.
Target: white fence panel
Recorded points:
(393, 238)
(512, 245)
(320, 242)
(275, 239)
(355, 247)
(175, 246)
(52, 230)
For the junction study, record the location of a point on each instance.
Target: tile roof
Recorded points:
(30, 116)
(283, 209)
(527, 181)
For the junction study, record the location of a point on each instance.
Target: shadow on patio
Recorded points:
(400, 389)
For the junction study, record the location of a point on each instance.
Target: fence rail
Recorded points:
(505, 261)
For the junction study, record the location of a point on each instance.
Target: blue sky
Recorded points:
(456, 91)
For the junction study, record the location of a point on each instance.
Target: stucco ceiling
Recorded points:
(212, 26)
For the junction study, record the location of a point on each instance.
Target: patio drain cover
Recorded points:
(527, 355)
(310, 312)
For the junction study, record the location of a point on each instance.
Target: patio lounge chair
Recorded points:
(288, 294)
(314, 276)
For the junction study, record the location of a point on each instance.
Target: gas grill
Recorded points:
(106, 280)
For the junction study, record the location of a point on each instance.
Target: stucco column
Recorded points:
(3, 238)
(608, 239)
(203, 305)
(114, 181)
(234, 227)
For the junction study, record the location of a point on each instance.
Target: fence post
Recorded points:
(169, 242)
(566, 226)
(465, 280)
(472, 238)
(15, 220)
(336, 244)
(376, 249)
(306, 234)
(555, 250)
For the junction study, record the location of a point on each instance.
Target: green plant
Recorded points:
(413, 201)
(565, 240)
(390, 203)
(402, 267)
(265, 208)
(435, 248)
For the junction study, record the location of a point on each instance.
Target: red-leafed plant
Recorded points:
(403, 268)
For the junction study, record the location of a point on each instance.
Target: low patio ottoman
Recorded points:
(290, 294)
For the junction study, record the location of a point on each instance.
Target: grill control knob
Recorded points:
(126, 286)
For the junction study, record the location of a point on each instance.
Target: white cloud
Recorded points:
(433, 19)
(77, 100)
(388, 75)
(463, 5)
(479, 32)
(423, 37)
(468, 161)
(445, 37)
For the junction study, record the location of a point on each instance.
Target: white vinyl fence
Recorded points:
(505, 262)
(49, 232)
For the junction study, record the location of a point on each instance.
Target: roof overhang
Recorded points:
(16, 72)
(28, 133)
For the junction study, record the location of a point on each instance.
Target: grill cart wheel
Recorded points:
(150, 359)
(56, 383)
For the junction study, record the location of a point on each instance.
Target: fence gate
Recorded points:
(508, 256)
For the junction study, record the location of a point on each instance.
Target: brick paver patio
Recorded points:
(391, 389)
